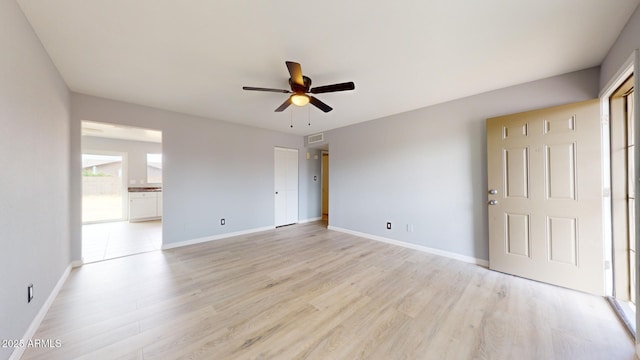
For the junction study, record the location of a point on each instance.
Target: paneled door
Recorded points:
(286, 186)
(545, 196)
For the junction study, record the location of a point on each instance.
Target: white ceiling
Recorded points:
(194, 56)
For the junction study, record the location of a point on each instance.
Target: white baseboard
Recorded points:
(426, 249)
(309, 220)
(213, 238)
(77, 263)
(35, 324)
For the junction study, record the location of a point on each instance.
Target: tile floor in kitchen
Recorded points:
(122, 238)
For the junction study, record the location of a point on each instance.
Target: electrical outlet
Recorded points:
(222, 221)
(29, 293)
(388, 226)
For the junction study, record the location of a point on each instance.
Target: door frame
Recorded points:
(629, 67)
(620, 212)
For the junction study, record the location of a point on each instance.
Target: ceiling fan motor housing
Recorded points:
(298, 88)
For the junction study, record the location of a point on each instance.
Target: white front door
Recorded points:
(286, 186)
(545, 196)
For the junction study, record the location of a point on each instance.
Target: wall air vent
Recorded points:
(316, 138)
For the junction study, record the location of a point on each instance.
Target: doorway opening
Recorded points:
(325, 187)
(122, 191)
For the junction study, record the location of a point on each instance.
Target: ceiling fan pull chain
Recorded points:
(309, 114)
(291, 113)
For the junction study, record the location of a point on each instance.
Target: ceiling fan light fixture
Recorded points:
(300, 99)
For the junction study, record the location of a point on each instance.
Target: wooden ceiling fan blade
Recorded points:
(284, 105)
(333, 88)
(295, 70)
(265, 89)
(319, 104)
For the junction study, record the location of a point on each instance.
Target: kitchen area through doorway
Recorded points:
(121, 191)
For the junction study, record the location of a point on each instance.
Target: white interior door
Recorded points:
(286, 186)
(545, 196)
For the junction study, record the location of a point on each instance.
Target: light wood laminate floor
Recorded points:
(306, 292)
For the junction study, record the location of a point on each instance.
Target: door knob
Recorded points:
(493, 202)
(493, 191)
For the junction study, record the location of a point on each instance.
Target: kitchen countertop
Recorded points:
(145, 189)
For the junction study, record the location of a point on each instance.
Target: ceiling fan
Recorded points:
(301, 86)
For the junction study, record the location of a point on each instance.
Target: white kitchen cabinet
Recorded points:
(145, 205)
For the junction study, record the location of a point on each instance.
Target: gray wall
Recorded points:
(34, 186)
(628, 40)
(212, 170)
(136, 154)
(428, 167)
